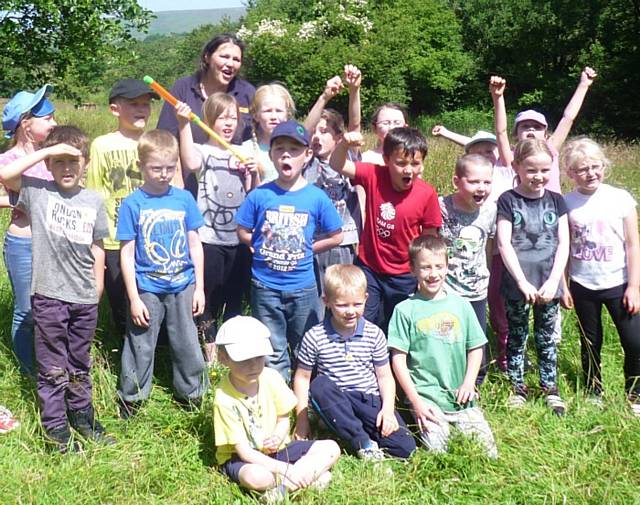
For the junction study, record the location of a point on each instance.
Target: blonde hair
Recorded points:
(340, 279)
(463, 163)
(530, 147)
(159, 142)
(579, 149)
(215, 105)
(266, 91)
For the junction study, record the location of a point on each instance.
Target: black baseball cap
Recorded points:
(131, 88)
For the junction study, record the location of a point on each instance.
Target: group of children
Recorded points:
(409, 307)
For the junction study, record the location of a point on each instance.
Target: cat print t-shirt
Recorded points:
(534, 236)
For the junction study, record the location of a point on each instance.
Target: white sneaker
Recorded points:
(555, 403)
(634, 406)
(7, 421)
(371, 452)
(274, 495)
(516, 400)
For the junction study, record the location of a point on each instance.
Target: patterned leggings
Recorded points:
(544, 318)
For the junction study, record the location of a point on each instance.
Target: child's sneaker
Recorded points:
(371, 452)
(274, 495)
(517, 399)
(7, 421)
(85, 423)
(555, 403)
(61, 437)
(594, 397)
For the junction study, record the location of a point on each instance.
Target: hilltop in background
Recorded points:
(167, 22)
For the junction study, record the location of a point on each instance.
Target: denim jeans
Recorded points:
(288, 315)
(17, 259)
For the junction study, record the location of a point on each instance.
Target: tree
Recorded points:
(66, 42)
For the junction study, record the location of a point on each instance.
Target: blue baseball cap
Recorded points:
(293, 130)
(22, 102)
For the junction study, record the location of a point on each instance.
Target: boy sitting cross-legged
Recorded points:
(251, 419)
(354, 391)
(68, 224)
(436, 350)
(162, 266)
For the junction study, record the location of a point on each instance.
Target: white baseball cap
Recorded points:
(244, 337)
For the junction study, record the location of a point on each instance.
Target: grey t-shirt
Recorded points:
(534, 237)
(466, 234)
(220, 194)
(341, 193)
(64, 225)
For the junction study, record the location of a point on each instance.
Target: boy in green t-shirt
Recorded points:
(113, 172)
(436, 350)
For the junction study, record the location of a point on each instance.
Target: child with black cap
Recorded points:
(279, 220)
(113, 172)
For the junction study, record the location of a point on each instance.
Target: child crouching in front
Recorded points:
(251, 419)
(436, 350)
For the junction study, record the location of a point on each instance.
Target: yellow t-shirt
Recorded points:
(237, 418)
(113, 172)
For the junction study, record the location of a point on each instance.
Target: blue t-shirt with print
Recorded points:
(283, 224)
(159, 225)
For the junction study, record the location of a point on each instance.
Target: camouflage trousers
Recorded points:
(544, 319)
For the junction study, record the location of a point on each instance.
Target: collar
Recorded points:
(333, 335)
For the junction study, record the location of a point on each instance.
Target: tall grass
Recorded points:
(165, 454)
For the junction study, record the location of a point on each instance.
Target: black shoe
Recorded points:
(189, 404)
(61, 437)
(128, 409)
(85, 423)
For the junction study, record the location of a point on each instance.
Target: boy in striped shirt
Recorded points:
(354, 391)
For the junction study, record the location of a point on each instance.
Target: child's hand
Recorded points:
(333, 87)
(353, 139)
(424, 414)
(631, 300)
(139, 313)
(63, 149)
(386, 422)
(547, 291)
(438, 130)
(497, 86)
(466, 393)
(197, 304)
(183, 113)
(566, 300)
(271, 444)
(587, 76)
(528, 290)
(353, 77)
(249, 166)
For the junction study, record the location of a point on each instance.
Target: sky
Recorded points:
(173, 5)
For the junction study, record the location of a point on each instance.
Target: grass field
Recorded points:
(165, 455)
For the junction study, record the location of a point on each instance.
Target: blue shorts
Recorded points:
(290, 454)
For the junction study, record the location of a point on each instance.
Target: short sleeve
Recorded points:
(285, 400)
(432, 217)
(193, 218)
(399, 331)
(364, 172)
(101, 227)
(627, 203)
(380, 355)
(328, 218)
(505, 206)
(308, 351)
(559, 202)
(246, 215)
(126, 228)
(24, 197)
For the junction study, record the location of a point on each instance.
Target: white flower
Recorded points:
(244, 33)
(308, 30)
(273, 27)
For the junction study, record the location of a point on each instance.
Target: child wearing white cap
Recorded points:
(251, 419)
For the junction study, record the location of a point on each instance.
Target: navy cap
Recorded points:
(293, 130)
(23, 102)
(131, 88)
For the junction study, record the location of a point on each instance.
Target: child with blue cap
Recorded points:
(27, 120)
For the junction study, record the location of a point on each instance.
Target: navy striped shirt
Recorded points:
(348, 362)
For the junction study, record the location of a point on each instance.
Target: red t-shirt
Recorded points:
(393, 218)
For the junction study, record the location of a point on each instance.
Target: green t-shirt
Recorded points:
(436, 335)
(113, 172)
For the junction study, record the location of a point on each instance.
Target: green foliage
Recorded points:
(67, 43)
(410, 51)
